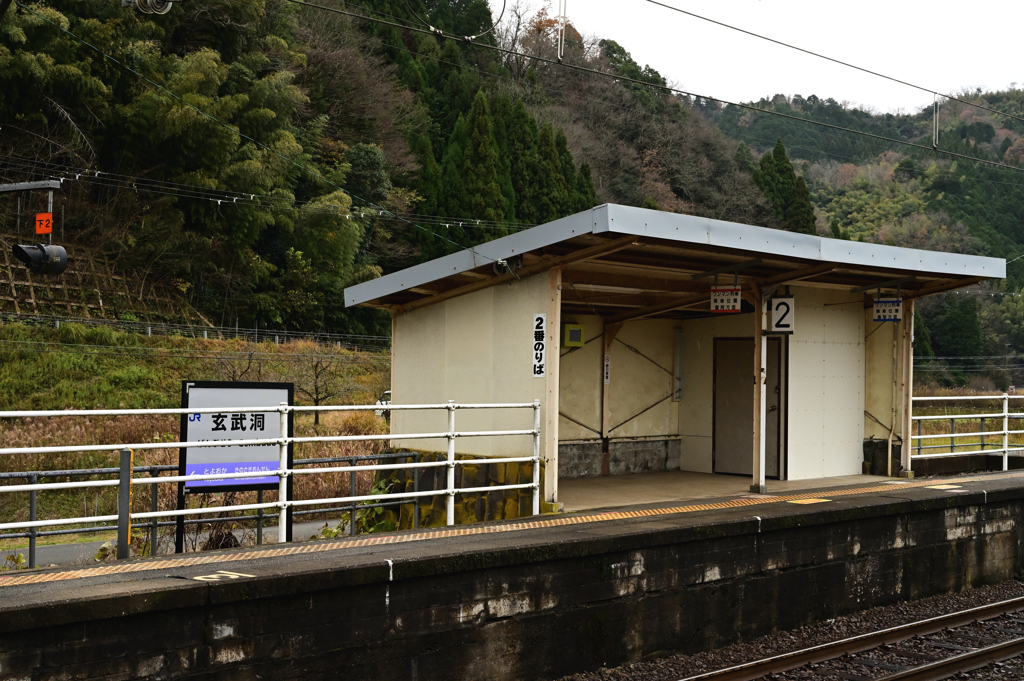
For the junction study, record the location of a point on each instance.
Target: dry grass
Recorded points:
(39, 432)
(991, 425)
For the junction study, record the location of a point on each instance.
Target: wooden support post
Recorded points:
(907, 387)
(550, 443)
(757, 483)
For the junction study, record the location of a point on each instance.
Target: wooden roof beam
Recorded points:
(528, 271)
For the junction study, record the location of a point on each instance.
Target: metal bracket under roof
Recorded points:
(724, 270)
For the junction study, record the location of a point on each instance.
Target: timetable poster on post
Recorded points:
(228, 425)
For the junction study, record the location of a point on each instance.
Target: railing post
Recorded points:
(352, 493)
(259, 518)
(919, 438)
(451, 462)
(416, 488)
(282, 486)
(536, 457)
(154, 499)
(1006, 431)
(34, 479)
(982, 433)
(952, 435)
(124, 505)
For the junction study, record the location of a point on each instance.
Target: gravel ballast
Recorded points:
(675, 667)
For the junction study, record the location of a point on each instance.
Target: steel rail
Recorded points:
(749, 671)
(969, 661)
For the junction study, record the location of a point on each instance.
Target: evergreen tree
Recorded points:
(800, 210)
(960, 329)
(585, 195)
(922, 337)
(551, 193)
(767, 178)
(745, 159)
(429, 180)
(785, 172)
(501, 113)
(453, 191)
(483, 199)
(568, 173)
(523, 136)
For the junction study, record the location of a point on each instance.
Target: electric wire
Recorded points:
(292, 162)
(834, 60)
(666, 88)
(242, 198)
(635, 109)
(178, 353)
(467, 38)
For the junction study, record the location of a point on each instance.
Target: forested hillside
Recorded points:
(883, 192)
(259, 156)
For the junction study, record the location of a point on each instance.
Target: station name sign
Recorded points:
(231, 425)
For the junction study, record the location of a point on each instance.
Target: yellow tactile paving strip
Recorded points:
(311, 547)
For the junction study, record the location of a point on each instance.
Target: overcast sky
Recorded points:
(944, 47)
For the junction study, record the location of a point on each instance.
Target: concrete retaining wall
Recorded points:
(535, 604)
(584, 459)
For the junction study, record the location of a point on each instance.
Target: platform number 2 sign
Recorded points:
(539, 344)
(783, 313)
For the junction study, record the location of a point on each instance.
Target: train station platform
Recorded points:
(530, 599)
(584, 494)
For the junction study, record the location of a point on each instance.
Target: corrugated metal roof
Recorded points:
(615, 220)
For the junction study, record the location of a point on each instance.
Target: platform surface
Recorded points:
(128, 586)
(583, 494)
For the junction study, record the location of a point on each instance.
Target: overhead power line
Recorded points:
(834, 60)
(666, 88)
(469, 38)
(197, 192)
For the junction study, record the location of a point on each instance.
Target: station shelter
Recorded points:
(657, 341)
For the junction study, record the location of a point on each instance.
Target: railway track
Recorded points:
(926, 650)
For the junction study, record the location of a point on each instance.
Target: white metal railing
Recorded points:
(284, 472)
(1001, 436)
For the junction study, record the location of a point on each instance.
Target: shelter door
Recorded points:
(733, 438)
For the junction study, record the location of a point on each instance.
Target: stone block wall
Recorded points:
(520, 606)
(585, 459)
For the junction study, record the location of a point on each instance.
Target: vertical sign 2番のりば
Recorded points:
(226, 426)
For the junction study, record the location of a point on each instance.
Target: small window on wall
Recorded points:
(573, 336)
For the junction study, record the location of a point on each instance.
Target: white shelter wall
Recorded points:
(475, 348)
(580, 381)
(637, 383)
(826, 384)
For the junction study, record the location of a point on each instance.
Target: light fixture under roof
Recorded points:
(601, 288)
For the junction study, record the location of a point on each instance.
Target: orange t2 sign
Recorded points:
(44, 223)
